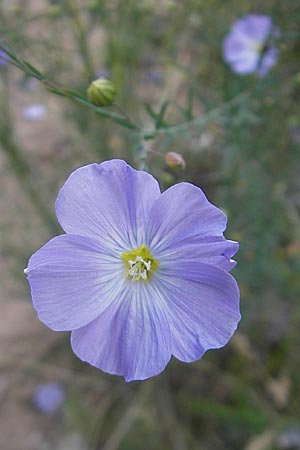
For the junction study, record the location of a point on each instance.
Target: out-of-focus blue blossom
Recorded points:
(3, 58)
(245, 48)
(140, 275)
(154, 76)
(289, 440)
(35, 111)
(48, 398)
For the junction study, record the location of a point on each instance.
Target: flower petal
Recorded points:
(268, 60)
(253, 26)
(234, 46)
(240, 53)
(203, 307)
(73, 279)
(182, 212)
(216, 251)
(131, 338)
(108, 201)
(246, 63)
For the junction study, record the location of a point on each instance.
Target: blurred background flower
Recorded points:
(48, 398)
(35, 111)
(245, 47)
(3, 57)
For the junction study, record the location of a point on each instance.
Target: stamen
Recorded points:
(139, 264)
(139, 268)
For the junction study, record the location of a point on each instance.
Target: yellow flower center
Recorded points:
(257, 46)
(139, 264)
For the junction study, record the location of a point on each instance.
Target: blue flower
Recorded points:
(140, 275)
(245, 47)
(3, 58)
(34, 111)
(48, 398)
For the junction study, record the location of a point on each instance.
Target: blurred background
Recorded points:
(165, 58)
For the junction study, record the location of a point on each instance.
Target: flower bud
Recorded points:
(174, 160)
(101, 92)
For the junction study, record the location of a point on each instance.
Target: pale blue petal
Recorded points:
(216, 251)
(108, 201)
(182, 212)
(246, 63)
(130, 338)
(268, 60)
(235, 46)
(202, 305)
(240, 53)
(253, 26)
(73, 279)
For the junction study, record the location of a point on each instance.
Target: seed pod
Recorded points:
(101, 92)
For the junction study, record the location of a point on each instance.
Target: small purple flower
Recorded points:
(140, 275)
(35, 111)
(245, 47)
(48, 398)
(154, 76)
(3, 58)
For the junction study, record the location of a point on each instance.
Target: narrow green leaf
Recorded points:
(34, 70)
(56, 91)
(150, 111)
(159, 123)
(105, 113)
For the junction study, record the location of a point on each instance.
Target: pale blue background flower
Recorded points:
(34, 111)
(3, 56)
(244, 47)
(48, 398)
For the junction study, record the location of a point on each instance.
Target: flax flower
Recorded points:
(3, 58)
(33, 112)
(140, 275)
(245, 48)
(48, 398)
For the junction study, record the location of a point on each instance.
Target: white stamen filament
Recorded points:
(139, 268)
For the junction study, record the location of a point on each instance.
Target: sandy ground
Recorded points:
(23, 341)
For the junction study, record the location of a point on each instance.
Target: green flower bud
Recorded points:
(101, 92)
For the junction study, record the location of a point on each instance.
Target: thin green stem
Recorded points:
(29, 69)
(197, 121)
